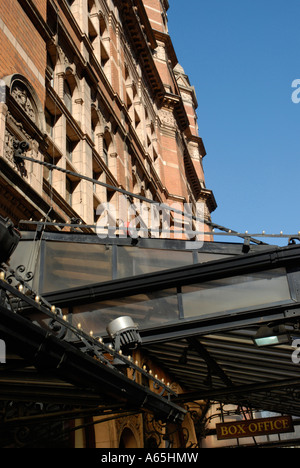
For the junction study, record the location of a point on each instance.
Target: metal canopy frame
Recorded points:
(56, 357)
(213, 356)
(286, 257)
(222, 362)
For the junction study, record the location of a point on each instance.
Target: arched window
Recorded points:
(26, 97)
(22, 95)
(127, 439)
(68, 96)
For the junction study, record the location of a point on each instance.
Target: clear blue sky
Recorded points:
(242, 57)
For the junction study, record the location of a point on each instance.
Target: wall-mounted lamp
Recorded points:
(271, 336)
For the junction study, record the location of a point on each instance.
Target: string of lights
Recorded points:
(23, 291)
(228, 233)
(131, 195)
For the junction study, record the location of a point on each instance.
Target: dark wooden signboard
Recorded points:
(254, 427)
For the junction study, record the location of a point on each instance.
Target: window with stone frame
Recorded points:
(69, 191)
(68, 96)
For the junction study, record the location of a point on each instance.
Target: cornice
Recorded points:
(173, 101)
(166, 39)
(198, 140)
(209, 198)
(139, 40)
(143, 16)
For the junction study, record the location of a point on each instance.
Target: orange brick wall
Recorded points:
(42, 7)
(21, 44)
(154, 11)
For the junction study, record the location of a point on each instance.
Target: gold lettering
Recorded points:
(241, 428)
(260, 426)
(285, 423)
(266, 425)
(276, 423)
(224, 431)
(253, 427)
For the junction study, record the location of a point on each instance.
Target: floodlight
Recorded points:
(124, 334)
(271, 336)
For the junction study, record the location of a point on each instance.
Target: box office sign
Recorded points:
(254, 427)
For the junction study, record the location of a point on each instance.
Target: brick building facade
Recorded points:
(95, 88)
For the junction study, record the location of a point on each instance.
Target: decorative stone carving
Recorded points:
(9, 151)
(9, 147)
(167, 118)
(161, 53)
(134, 423)
(187, 97)
(22, 96)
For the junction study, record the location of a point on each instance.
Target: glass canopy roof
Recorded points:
(202, 302)
(157, 283)
(66, 260)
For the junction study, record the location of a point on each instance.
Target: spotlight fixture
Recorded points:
(9, 239)
(124, 334)
(271, 336)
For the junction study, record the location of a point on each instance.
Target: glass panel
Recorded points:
(26, 262)
(236, 293)
(146, 310)
(69, 265)
(134, 261)
(204, 257)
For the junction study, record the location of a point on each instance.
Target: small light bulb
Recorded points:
(2, 275)
(37, 299)
(53, 309)
(79, 326)
(100, 339)
(21, 287)
(156, 377)
(120, 352)
(91, 333)
(136, 363)
(110, 346)
(65, 318)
